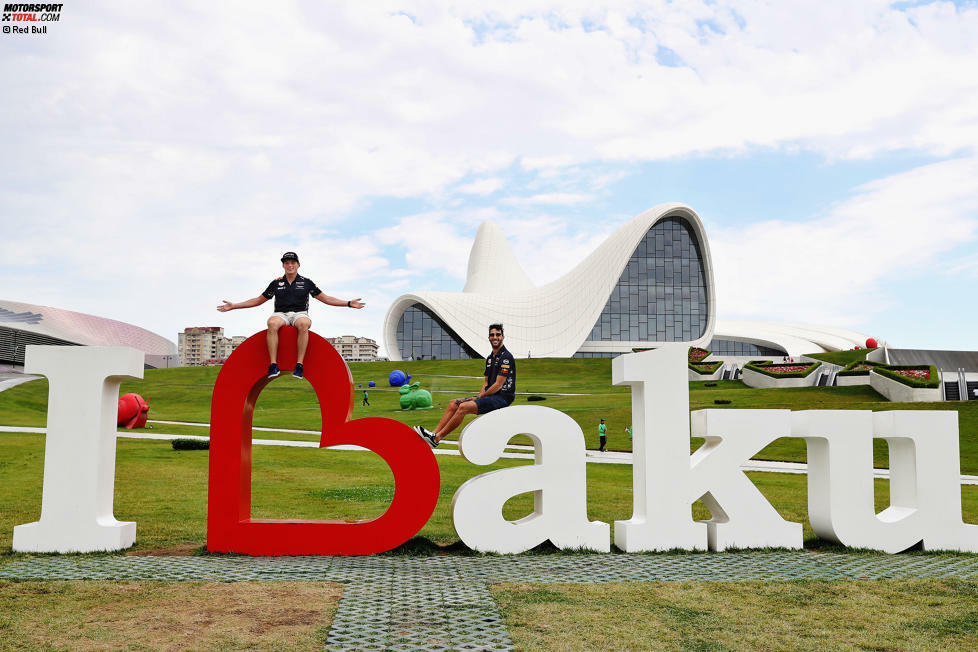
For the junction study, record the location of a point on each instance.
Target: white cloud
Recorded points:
(433, 244)
(485, 186)
(963, 268)
(838, 268)
(154, 156)
(551, 198)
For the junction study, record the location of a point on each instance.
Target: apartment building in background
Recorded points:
(205, 345)
(355, 349)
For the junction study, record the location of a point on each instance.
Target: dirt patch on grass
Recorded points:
(166, 615)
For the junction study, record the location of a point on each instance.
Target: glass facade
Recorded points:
(730, 347)
(661, 295)
(13, 343)
(421, 335)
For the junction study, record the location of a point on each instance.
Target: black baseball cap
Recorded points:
(290, 255)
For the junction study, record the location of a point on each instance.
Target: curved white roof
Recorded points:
(79, 328)
(794, 339)
(553, 320)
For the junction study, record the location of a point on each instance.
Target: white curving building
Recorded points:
(22, 324)
(650, 282)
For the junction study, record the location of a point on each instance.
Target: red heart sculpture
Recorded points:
(230, 527)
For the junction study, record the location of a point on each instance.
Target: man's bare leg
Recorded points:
(465, 409)
(449, 413)
(302, 325)
(271, 338)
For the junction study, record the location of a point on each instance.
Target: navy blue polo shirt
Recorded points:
(502, 364)
(291, 297)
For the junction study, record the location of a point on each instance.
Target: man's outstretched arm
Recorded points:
(250, 303)
(333, 301)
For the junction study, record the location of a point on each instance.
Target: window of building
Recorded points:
(421, 335)
(661, 295)
(731, 347)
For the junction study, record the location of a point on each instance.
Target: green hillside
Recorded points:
(184, 394)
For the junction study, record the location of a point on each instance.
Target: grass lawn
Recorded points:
(103, 615)
(842, 357)
(165, 491)
(184, 394)
(802, 615)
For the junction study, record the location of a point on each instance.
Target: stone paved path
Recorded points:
(443, 602)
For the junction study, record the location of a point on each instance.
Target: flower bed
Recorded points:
(790, 370)
(859, 368)
(706, 368)
(912, 375)
(697, 354)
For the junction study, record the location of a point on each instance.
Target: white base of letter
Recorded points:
(79, 449)
(557, 479)
(35, 537)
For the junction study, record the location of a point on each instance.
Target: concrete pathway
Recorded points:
(10, 379)
(443, 602)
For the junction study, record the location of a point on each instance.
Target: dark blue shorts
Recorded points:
(491, 402)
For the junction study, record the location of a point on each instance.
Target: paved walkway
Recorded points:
(444, 603)
(10, 379)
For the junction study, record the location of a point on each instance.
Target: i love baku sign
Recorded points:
(925, 492)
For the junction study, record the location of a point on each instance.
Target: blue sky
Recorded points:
(159, 159)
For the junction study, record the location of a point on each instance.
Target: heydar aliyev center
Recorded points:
(650, 282)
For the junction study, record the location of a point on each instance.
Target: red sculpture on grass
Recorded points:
(133, 411)
(230, 527)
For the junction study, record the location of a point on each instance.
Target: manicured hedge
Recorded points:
(190, 444)
(850, 369)
(696, 354)
(891, 373)
(768, 368)
(706, 368)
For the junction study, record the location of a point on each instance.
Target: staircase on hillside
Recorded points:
(951, 392)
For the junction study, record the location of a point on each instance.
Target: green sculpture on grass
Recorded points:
(413, 398)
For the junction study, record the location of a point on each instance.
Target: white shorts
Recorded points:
(290, 317)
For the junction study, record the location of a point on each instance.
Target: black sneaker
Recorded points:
(427, 435)
(273, 370)
(298, 370)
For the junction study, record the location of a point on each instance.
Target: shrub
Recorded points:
(722, 401)
(706, 368)
(925, 377)
(696, 354)
(790, 370)
(859, 368)
(190, 444)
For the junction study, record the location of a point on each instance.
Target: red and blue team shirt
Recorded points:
(502, 364)
(291, 297)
